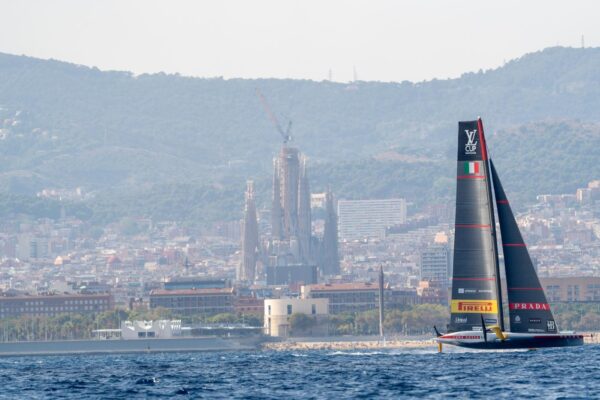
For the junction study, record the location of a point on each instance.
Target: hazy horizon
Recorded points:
(383, 41)
(277, 78)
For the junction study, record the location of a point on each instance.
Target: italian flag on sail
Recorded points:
(471, 167)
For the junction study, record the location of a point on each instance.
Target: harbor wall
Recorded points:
(129, 346)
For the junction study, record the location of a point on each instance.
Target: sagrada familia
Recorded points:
(289, 252)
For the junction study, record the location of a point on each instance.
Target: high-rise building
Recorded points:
(330, 264)
(369, 218)
(435, 264)
(250, 239)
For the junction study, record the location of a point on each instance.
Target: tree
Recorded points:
(223, 318)
(301, 323)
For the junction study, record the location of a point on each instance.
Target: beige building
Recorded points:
(279, 313)
(573, 289)
(358, 296)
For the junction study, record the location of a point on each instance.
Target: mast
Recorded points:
(381, 294)
(475, 295)
(493, 226)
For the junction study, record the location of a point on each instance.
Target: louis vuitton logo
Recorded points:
(471, 145)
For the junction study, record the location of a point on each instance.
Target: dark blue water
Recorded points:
(549, 373)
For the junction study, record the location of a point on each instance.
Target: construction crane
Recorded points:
(285, 134)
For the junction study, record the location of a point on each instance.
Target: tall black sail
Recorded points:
(475, 279)
(528, 308)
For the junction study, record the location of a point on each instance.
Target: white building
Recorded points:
(359, 219)
(163, 329)
(279, 311)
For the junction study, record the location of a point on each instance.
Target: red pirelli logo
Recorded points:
(529, 306)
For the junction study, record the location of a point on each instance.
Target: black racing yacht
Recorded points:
(477, 319)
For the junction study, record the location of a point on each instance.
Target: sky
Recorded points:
(382, 40)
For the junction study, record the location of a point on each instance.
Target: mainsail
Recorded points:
(528, 308)
(475, 279)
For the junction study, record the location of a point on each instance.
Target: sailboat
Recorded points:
(477, 316)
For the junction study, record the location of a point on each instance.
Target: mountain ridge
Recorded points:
(64, 125)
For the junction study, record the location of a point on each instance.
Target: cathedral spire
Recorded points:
(304, 215)
(276, 212)
(250, 239)
(330, 256)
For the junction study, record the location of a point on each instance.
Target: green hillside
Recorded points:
(178, 147)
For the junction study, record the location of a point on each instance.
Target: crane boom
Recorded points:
(285, 135)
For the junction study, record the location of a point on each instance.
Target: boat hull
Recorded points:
(474, 340)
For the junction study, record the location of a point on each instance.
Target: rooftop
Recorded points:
(55, 296)
(191, 292)
(345, 286)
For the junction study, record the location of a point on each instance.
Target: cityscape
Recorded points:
(299, 200)
(54, 267)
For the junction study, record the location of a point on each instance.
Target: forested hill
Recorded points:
(65, 125)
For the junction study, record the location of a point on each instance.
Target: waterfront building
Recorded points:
(360, 219)
(359, 296)
(188, 302)
(249, 305)
(345, 297)
(398, 298)
(52, 305)
(572, 289)
(161, 329)
(278, 313)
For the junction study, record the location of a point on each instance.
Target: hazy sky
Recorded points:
(385, 40)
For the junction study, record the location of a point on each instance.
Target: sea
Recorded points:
(564, 373)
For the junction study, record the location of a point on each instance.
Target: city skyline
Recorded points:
(268, 199)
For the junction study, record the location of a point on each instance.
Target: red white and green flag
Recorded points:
(471, 168)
